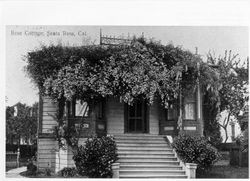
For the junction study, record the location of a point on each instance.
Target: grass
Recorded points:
(226, 172)
(43, 175)
(215, 172)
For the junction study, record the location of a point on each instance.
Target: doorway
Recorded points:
(136, 119)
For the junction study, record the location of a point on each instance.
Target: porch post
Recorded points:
(199, 104)
(18, 157)
(115, 170)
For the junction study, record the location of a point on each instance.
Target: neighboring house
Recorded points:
(233, 130)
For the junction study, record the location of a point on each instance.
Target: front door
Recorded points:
(135, 117)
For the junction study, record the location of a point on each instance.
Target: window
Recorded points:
(233, 130)
(171, 112)
(81, 109)
(100, 109)
(189, 107)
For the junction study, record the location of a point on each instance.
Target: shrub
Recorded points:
(242, 140)
(68, 172)
(48, 171)
(31, 168)
(95, 158)
(26, 151)
(197, 150)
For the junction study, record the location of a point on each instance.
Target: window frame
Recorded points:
(74, 109)
(145, 118)
(175, 108)
(188, 100)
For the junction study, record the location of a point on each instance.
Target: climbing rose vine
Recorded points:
(142, 68)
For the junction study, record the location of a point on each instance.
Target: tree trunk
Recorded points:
(226, 134)
(224, 126)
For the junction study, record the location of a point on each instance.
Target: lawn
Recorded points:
(226, 172)
(43, 175)
(215, 172)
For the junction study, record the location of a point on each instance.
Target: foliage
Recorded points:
(197, 150)
(47, 171)
(23, 125)
(26, 151)
(68, 172)
(233, 95)
(243, 139)
(66, 136)
(211, 125)
(95, 158)
(31, 168)
(143, 67)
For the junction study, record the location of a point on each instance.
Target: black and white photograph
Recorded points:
(126, 101)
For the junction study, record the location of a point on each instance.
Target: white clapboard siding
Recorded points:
(46, 153)
(50, 108)
(115, 116)
(48, 115)
(44, 165)
(49, 122)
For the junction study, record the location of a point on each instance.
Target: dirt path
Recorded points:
(15, 173)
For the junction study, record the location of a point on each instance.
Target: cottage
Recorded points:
(111, 116)
(138, 114)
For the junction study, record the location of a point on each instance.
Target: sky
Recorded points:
(22, 39)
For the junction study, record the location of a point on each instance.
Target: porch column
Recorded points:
(199, 110)
(199, 103)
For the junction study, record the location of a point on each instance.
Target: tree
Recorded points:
(23, 125)
(211, 125)
(233, 95)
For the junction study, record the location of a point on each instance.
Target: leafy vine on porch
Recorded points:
(143, 67)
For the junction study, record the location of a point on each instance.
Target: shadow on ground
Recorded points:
(226, 172)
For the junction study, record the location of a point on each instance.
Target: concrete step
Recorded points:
(142, 145)
(138, 135)
(140, 172)
(140, 141)
(171, 156)
(133, 176)
(149, 166)
(139, 138)
(131, 159)
(147, 155)
(155, 163)
(133, 148)
(145, 152)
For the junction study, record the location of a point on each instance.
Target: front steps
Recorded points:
(146, 156)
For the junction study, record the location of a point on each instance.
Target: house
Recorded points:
(139, 121)
(233, 131)
(139, 127)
